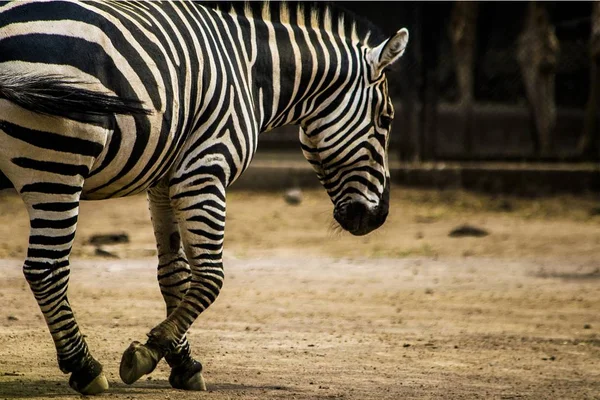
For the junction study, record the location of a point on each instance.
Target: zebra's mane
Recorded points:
(326, 15)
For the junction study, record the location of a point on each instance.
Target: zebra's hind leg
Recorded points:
(174, 275)
(53, 210)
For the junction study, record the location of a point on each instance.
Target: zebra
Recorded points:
(109, 99)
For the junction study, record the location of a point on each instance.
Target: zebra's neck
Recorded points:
(298, 61)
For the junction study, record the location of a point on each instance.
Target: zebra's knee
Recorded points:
(208, 281)
(47, 278)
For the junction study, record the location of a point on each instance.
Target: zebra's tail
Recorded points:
(64, 97)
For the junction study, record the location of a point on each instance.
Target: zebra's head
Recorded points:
(346, 140)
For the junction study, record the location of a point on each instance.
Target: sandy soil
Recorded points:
(308, 312)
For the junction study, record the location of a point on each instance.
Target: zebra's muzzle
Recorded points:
(357, 218)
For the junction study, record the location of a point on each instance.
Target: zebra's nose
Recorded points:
(349, 215)
(356, 218)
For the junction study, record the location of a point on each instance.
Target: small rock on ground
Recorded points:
(293, 196)
(468, 231)
(109, 238)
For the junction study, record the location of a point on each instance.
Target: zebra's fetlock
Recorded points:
(164, 337)
(180, 356)
(75, 362)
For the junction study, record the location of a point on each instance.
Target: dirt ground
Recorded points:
(308, 312)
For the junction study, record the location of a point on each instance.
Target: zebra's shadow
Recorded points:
(48, 388)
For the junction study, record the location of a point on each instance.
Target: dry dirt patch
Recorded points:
(308, 313)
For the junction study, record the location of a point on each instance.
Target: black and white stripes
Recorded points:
(109, 99)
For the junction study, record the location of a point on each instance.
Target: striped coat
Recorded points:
(110, 99)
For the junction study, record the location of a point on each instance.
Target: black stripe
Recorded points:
(51, 240)
(33, 252)
(53, 167)
(207, 235)
(188, 175)
(61, 309)
(39, 223)
(208, 246)
(65, 328)
(43, 265)
(174, 272)
(52, 141)
(347, 180)
(59, 207)
(169, 294)
(203, 219)
(204, 301)
(111, 148)
(50, 188)
(176, 284)
(204, 204)
(209, 257)
(217, 280)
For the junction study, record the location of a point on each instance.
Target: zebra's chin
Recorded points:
(358, 218)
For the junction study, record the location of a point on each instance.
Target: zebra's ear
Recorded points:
(389, 51)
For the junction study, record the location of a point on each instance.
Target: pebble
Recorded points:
(293, 196)
(468, 231)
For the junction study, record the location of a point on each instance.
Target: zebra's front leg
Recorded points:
(174, 275)
(201, 222)
(53, 220)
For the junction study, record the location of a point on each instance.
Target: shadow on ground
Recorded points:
(48, 388)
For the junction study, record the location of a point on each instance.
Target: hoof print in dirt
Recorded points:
(468, 231)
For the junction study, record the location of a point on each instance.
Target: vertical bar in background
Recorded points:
(409, 143)
(431, 23)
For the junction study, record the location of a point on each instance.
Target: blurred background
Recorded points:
(485, 85)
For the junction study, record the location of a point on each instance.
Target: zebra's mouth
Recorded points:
(357, 218)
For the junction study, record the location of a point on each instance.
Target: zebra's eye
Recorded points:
(385, 121)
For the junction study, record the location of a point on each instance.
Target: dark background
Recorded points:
(428, 125)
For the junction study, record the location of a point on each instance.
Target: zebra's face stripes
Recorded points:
(347, 144)
(358, 183)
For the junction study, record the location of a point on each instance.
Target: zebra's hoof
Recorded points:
(188, 378)
(138, 360)
(89, 380)
(195, 382)
(97, 386)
